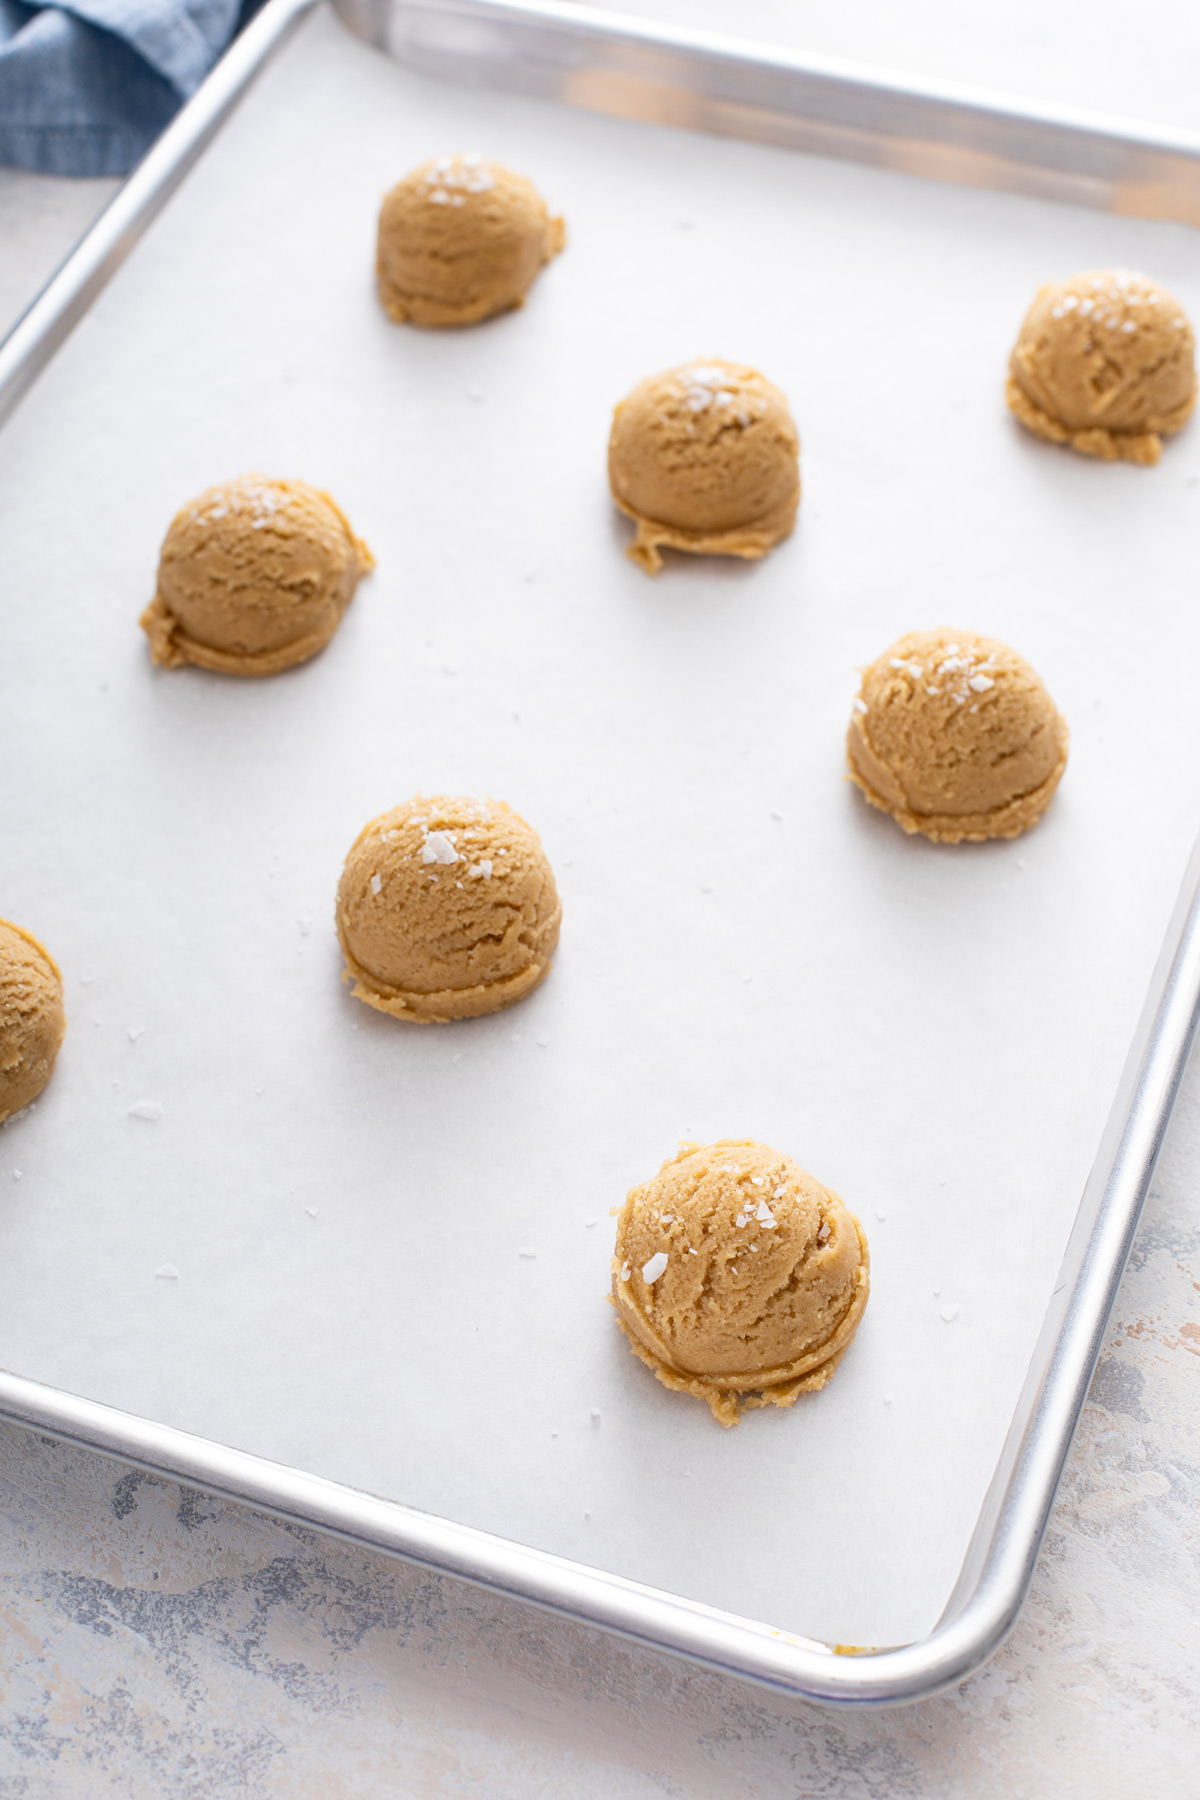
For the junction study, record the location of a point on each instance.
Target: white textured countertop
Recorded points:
(156, 1644)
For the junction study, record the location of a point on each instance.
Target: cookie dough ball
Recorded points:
(446, 909)
(1104, 362)
(461, 239)
(254, 576)
(32, 1020)
(705, 458)
(737, 1277)
(956, 737)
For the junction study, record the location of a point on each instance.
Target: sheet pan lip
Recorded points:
(789, 1664)
(835, 73)
(1003, 1551)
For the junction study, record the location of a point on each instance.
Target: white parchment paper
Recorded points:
(747, 950)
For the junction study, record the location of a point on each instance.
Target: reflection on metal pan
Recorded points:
(638, 69)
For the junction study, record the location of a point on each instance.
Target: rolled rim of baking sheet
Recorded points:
(538, 47)
(646, 70)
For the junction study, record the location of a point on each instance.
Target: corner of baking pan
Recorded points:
(671, 75)
(1003, 1551)
(52, 316)
(752, 93)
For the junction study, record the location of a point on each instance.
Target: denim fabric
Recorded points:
(87, 85)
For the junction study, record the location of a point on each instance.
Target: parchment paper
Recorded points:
(746, 949)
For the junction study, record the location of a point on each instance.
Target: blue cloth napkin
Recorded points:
(87, 85)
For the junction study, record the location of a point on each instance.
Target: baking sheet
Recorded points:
(936, 1033)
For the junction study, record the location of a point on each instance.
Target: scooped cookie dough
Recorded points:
(32, 1020)
(956, 737)
(254, 576)
(1104, 362)
(461, 239)
(737, 1277)
(705, 458)
(446, 909)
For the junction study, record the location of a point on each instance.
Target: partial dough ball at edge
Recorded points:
(32, 1017)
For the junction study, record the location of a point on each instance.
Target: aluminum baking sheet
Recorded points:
(640, 69)
(936, 1033)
